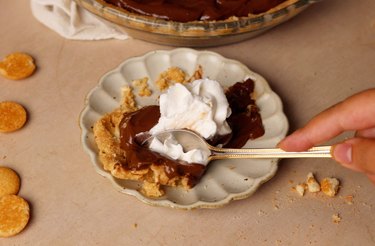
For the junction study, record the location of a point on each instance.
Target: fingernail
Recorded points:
(343, 153)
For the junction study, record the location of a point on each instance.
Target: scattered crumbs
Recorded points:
(300, 189)
(276, 204)
(169, 77)
(349, 199)
(336, 218)
(128, 99)
(366, 205)
(142, 85)
(290, 181)
(135, 225)
(291, 200)
(261, 213)
(245, 179)
(114, 98)
(330, 186)
(312, 184)
(175, 75)
(198, 74)
(312, 226)
(231, 167)
(4, 157)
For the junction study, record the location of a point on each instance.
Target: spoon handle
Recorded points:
(315, 152)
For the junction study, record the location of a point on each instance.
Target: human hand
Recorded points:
(356, 113)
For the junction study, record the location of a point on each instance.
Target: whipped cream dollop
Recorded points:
(172, 149)
(201, 107)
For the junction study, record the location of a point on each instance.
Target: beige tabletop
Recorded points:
(313, 61)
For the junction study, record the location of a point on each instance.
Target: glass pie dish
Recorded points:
(195, 33)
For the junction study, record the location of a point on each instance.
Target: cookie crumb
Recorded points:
(169, 77)
(330, 186)
(261, 213)
(312, 185)
(198, 74)
(349, 199)
(128, 99)
(300, 189)
(336, 218)
(142, 85)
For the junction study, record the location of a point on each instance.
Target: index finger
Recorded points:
(355, 113)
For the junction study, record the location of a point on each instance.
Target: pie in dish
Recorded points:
(222, 22)
(199, 10)
(124, 157)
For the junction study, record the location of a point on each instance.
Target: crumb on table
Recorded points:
(330, 186)
(336, 218)
(300, 189)
(312, 184)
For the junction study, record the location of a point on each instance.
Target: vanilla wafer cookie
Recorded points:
(17, 66)
(14, 215)
(9, 182)
(12, 116)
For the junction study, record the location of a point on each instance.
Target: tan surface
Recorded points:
(313, 61)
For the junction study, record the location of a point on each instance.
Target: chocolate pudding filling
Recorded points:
(245, 122)
(196, 10)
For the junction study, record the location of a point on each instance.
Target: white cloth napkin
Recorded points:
(73, 22)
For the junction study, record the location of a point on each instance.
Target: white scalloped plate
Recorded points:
(225, 180)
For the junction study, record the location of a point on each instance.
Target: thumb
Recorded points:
(357, 154)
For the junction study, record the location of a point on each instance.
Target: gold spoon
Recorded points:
(190, 140)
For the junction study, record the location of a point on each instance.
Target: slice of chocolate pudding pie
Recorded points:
(227, 118)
